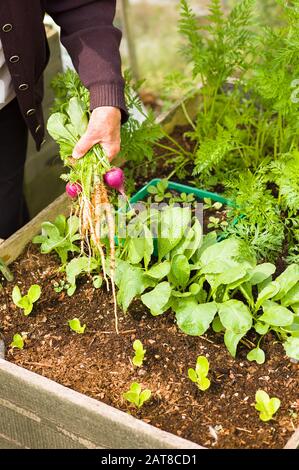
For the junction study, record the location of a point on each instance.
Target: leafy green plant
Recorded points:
(27, 301)
(75, 325)
(136, 396)
(139, 353)
(17, 342)
(59, 236)
(199, 375)
(263, 225)
(159, 191)
(60, 286)
(207, 283)
(209, 204)
(76, 267)
(245, 133)
(215, 223)
(265, 405)
(97, 281)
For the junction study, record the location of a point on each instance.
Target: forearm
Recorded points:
(92, 41)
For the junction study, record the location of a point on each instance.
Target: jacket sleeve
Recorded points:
(92, 41)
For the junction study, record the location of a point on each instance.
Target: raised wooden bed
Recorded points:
(36, 412)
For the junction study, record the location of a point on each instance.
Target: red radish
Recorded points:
(115, 179)
(73, 189)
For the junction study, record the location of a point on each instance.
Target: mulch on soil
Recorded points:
(98, 363)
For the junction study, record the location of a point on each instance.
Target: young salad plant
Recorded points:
(27, 301)
(59, 236)
(139, 353)
(136, 396)
(265, 405)
(199, 375)
(77, 267)
(75, 325)
(17, 342)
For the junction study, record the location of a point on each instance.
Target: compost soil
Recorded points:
(98, 363)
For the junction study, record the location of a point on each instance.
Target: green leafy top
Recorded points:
(136, 396)
(26, 302)
(199, 375)
(75, 325)
(265, 405)
(59, 236)
(17, 342)
(139, 353)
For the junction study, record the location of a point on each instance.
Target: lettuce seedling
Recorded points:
(139, 353)
(59, 236)
(17, 342)
(75, 326)
(136, 396)
(266, 405)
(199, 375)
(27, 301)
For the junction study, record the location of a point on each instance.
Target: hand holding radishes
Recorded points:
(78, 136)
(103, 128)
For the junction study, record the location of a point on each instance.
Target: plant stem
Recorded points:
(187, 116)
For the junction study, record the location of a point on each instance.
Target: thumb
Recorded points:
(83, 145)
(111, 149)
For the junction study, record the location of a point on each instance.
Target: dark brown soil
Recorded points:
(98, 363)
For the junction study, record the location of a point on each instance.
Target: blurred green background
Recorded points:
(153, 28)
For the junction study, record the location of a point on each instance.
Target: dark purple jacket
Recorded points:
(88, 34)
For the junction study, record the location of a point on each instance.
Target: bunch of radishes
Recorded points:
(114, 178)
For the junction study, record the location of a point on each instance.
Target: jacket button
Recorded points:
(7, 27)
(14, 58)
(30, 112)
(38, 128)
(23, 86)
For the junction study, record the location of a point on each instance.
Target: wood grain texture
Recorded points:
(39, 413)
(14, 246)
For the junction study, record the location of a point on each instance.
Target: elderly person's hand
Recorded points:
(104, 129)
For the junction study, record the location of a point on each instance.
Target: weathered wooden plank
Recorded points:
(39, 413)
(175, 116)
(293, 442)
(7, 443)
(13, 246)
